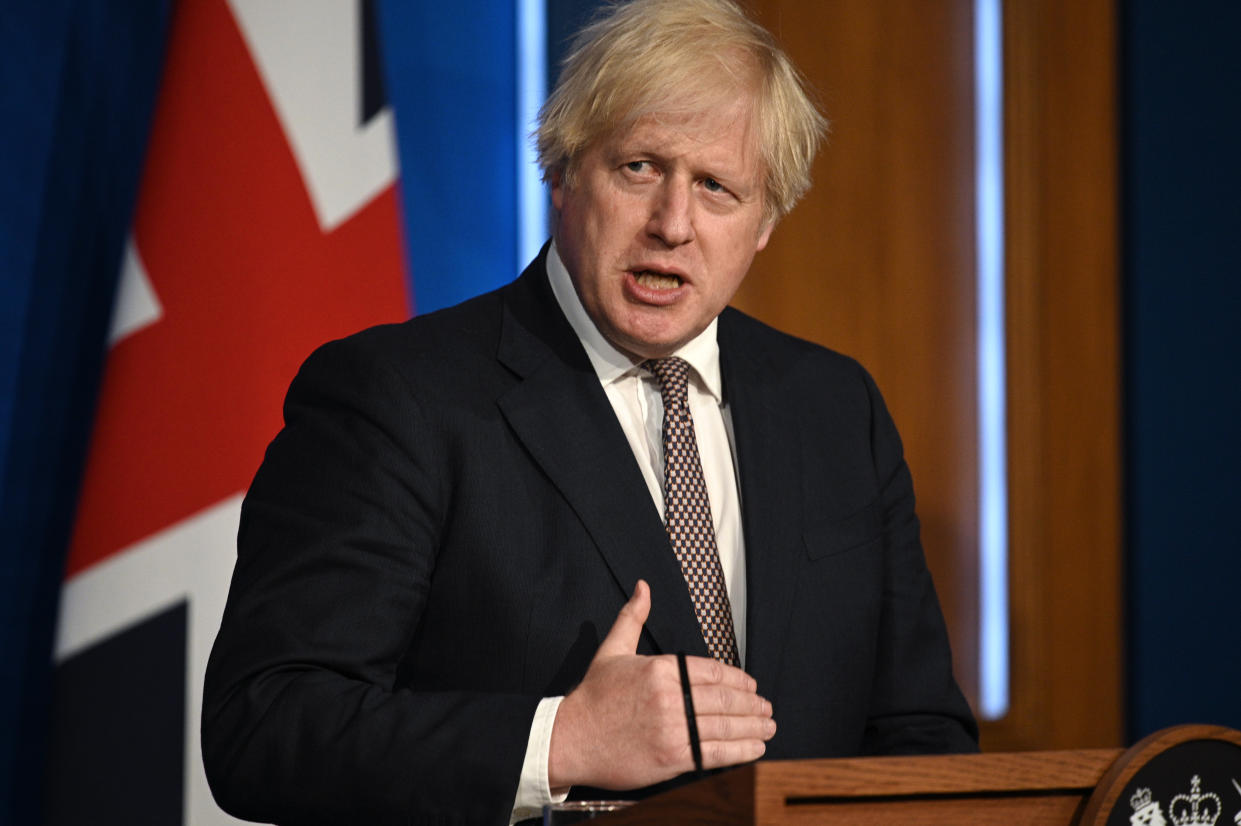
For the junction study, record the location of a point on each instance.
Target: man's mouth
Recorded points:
(657, 280)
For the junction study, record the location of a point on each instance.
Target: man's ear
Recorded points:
(556, 178)
(764, 235)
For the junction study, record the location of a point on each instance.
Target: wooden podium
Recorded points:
(1046, 787)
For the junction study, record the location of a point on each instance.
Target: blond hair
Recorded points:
(646, 56)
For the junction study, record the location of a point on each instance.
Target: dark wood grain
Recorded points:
(1032, 787)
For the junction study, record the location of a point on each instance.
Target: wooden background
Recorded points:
(879, 262)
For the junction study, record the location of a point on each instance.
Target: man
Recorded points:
(470, 555)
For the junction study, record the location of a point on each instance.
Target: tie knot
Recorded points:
(673, 376)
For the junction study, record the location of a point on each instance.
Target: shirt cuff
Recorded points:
(533, 792)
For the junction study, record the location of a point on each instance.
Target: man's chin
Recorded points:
(641, 349)
(653, 335)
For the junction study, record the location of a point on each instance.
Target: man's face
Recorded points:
(661, 224)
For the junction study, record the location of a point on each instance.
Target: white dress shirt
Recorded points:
(634, 394)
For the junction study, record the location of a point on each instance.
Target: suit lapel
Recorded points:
(770, 469)
(559, 412)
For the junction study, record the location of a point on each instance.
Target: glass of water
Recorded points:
(578, 811)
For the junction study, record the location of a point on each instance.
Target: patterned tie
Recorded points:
(687, 512)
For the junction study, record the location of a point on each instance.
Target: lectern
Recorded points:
(1044, 787)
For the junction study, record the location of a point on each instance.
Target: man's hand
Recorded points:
(624, 726)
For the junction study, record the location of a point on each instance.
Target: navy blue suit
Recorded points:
(451, 518)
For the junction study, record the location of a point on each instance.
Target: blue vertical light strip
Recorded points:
(531, 90)
(992, 384)
(451, 76)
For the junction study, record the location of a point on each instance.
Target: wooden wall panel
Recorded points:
(1064, 375)
(878, 262)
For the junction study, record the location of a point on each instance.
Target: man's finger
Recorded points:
(720, 753)
(720, 728)
(623, 638)
(717, 699)
(707, 671)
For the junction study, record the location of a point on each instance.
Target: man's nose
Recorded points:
(672, 219)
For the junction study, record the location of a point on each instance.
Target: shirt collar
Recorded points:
(702, 352)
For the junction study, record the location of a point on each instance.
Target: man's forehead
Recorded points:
(726, 130)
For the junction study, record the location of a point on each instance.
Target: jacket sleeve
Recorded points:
(306, 713)
(916, 705)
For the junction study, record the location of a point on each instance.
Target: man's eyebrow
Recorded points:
(639, 148)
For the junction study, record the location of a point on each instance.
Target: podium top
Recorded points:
(939, 789)
(1042, 787)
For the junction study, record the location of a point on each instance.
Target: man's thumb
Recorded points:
(623, 638)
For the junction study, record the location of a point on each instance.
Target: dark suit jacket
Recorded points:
(451, 518)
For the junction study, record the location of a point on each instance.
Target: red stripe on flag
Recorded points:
(249, 285)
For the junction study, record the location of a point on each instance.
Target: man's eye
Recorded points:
(713, 185)
(636, 166)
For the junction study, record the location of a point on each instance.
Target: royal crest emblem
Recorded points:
(1196, 808)
(1146, 812)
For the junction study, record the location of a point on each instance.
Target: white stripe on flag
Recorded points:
(191, 560)
(136, 304)
(307, 52)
